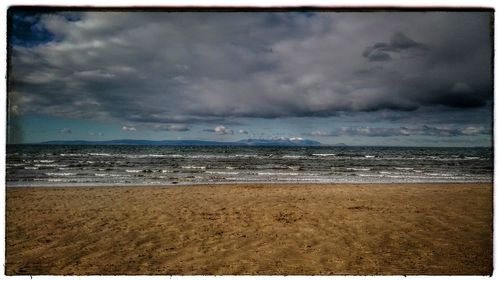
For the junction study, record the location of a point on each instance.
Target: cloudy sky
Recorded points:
(360, 78)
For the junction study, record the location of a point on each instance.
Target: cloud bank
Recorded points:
(221, 130)
(175, 69)
(402, 131)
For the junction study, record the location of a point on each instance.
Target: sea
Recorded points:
(117, 165)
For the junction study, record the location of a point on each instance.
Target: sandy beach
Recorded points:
(286, 229)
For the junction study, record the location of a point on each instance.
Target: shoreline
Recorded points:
(85, 185)
(265, 229)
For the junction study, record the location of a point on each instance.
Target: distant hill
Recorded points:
(280, 142)
(339, 144)
(247, 142)
(140, 142)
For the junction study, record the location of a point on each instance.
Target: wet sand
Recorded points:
(251, 229)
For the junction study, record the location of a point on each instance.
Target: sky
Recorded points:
(359, 78)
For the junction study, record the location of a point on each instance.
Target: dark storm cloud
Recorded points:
(183, 68)
(402, 131)
(398, 43)
(427, 115)
(377, 55)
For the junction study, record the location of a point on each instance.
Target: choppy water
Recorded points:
(65, 165)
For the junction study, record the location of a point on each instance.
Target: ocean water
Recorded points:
(80, 165)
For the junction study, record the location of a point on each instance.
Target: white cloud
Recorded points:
(65, 131)
(473, 130)
(96, 134)
(129, 128)
(318, 134)
(171, 127)
(221, 130)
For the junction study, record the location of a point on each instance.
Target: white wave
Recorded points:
(30, 168)
(438, 158)
(221, 173)
(57, 180)
(156, 155)
(245, 155)
(107, 175)
(394, 172)
(100, 154)
(230, 168)
(272, 166)
(294, 168)
(43, 161)
(204, 156)
(276, 174)
(369, 156)
(53, 180)
(293, 156)
(191, 167)
(133, 171)
(16, 165)
(60, 174)
(403, 168)
(134, 156)
(50, 165)
(71, 154)
(438, 174)
(358, 169)
(323, 154)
